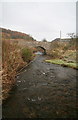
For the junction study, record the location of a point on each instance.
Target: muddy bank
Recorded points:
(9, 81)
(43, 90)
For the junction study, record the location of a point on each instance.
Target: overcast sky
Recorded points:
(39, 19)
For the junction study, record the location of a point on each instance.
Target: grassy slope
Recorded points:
(63, 53)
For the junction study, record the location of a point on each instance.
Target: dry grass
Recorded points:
(63, 63)
(63, 49)
(64, 53)
(12, 61)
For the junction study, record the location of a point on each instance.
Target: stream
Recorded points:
(43, 90)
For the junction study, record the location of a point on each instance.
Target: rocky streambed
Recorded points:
(43, 90)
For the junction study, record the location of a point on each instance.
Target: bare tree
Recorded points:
(44, 40)
(71, 35)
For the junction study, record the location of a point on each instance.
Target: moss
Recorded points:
(63, 63)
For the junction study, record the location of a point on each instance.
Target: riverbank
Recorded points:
(64, 53)
(63, 63)
(14, 59)
(9, 85)
(66, 58)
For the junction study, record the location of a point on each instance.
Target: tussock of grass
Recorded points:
(63, 63)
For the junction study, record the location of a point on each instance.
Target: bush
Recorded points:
(27, 54)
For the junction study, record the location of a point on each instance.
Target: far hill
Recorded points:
(9, 34)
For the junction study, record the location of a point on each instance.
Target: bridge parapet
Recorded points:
(45, 45)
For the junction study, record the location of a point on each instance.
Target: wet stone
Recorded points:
(44, 84)
(39, 98)
(18, 81)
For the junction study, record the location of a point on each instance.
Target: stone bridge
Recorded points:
(33, 44)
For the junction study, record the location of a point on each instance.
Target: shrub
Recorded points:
(27, 54)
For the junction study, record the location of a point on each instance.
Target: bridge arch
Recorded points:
(44, 50)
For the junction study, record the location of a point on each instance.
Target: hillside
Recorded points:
(9, 34)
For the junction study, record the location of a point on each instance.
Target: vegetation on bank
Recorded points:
(26, 54)
(63, 63)
(11, 62)
(64, 53)
(13, 59)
